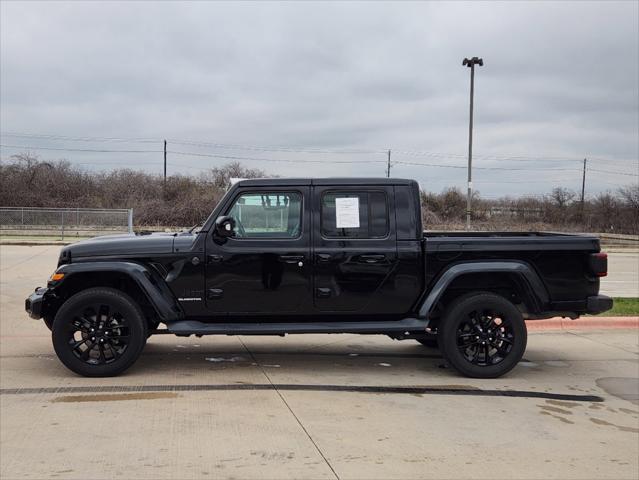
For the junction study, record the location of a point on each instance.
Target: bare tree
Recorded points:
(630, 195)
(562, 197)
(185, 200)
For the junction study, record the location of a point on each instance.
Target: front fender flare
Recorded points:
(536, 289)
(150, 282)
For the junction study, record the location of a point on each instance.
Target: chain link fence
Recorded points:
(64, 222)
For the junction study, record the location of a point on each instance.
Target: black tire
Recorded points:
(48, 321)
(151, 327)
(430, 341)
(482, 335)
(99, 332)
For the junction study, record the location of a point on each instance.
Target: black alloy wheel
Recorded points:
(483, 335)
(99, 332)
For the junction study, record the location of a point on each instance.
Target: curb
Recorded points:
(34, 244)
(584, 323)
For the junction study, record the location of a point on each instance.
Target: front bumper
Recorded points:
(34, 302)
(598, 304)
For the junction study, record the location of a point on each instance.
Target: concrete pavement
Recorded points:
(262, 407)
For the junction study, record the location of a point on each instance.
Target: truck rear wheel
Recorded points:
(482, 335)
(99, 332)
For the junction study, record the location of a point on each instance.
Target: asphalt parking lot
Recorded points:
(315, 406)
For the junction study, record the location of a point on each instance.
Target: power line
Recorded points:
(85, 150)
(264, 148)
(484, 168)
(613, 172)
(193, 154)
(282, 160)
(281, 149)
(309, 150)
(79, 139)
(506, 157)
(234, 157)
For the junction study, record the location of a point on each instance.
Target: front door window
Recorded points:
(267, 215)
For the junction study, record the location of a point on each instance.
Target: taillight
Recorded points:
(599, 264)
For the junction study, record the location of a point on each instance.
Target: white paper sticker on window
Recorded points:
(347, 212)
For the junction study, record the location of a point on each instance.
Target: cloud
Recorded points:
(560, 81)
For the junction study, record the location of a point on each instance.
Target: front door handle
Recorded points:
(214, 293)
(323, 292)
(214, 258)
(372, 258)
(292, 258)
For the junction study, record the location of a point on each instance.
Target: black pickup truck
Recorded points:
(284, 256)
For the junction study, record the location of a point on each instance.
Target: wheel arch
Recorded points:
(143, 284)
(501, 277)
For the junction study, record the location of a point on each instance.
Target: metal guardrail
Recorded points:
(64, 221)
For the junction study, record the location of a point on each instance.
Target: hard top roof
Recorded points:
(254, 182)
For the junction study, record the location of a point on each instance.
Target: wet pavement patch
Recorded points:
(555, 409)
(622, 428)
(114, 397)
(626, 388)
(462, 390)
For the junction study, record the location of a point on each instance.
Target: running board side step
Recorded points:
(195, 327)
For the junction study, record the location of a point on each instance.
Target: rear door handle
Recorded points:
(323, 257)
(372, 258)
(292, 258)
(323, 292)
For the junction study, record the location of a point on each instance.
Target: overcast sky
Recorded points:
(343, 82)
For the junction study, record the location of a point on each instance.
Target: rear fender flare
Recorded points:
(536, 289)
(148, 280)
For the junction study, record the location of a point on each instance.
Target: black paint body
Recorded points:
(311, 278)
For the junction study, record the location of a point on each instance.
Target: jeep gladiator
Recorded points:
(347, 255)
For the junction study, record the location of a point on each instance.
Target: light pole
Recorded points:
(471, 63)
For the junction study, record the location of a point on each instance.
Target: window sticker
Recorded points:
(347, 212)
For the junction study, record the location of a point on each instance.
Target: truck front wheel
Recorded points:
(482, 335)
(99, 332)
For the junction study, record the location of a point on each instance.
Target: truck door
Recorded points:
(265, 267)
(355, 249)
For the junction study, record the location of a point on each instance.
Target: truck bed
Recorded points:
(508, 241)
(560, 259)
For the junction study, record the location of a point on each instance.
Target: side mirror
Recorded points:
(225, 226)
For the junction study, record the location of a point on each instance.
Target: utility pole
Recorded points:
(583, 192)
(165, 163)
(389, 165)
(471, 63)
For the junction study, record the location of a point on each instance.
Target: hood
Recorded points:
(128, 244)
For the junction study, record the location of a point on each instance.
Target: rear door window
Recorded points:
(353, 214)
